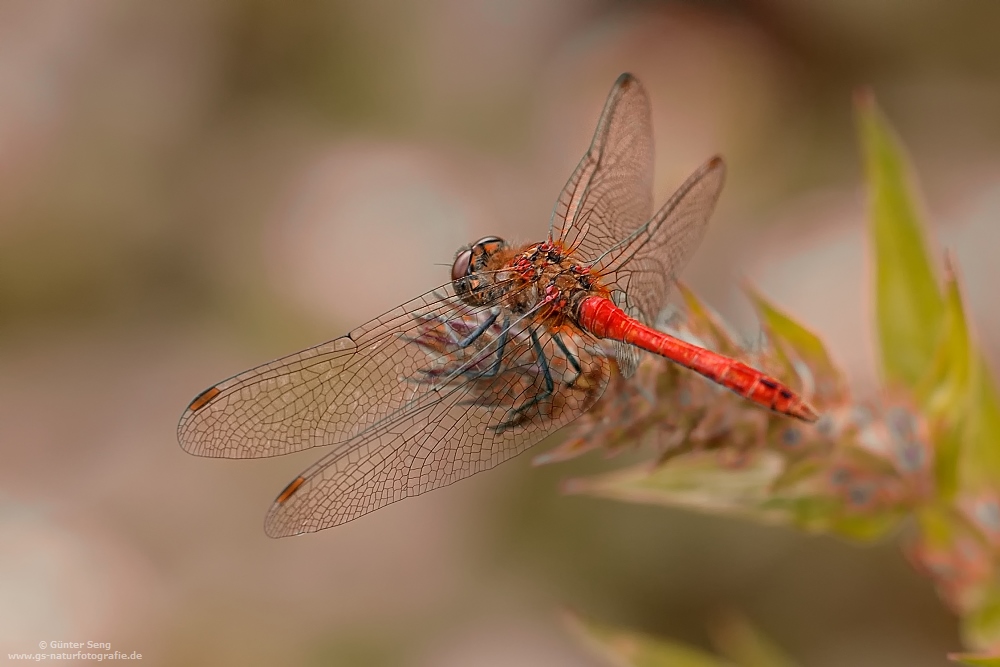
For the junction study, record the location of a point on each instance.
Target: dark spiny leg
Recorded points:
(433, 374)
(517, 414)
(494, 370)
(570, 357)
(480, 330)
(461, 343)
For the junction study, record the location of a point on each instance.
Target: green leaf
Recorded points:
(946, 385)
(623, 647)
(980, 466)
(742, 643)
(804, 344)
(947, 388)
(937, 526)
(796, 472)
(958, 558)
(909, 306)
(702, 320)
(695, 481)
(976, 660)
(962, 404)
(981, 628)
(818, 514)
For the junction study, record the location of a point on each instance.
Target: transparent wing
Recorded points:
(523, 386)
(611, 191)
(604, 212)
(328, 393)
(642, 267)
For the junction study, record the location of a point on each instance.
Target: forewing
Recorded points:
(641, 268)
(611, 191)
(468, 424)
(330, 393)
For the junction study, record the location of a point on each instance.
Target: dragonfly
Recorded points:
(519, 342)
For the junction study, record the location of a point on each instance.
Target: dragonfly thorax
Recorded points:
(544, 279)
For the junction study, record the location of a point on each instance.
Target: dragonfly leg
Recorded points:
(431, 375)
(479, 331)
(494, 370)
(570, 357)
(461, 343)
(517, 415)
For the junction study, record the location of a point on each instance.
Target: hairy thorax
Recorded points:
(539, 278)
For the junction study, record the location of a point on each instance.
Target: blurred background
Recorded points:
(190, 188)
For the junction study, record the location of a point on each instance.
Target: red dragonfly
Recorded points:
(508, 351)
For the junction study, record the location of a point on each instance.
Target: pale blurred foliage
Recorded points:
(190, 188)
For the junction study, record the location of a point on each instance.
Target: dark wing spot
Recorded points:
(202, 399)
(289, 490)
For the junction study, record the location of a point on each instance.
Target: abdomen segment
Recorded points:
(604, 319)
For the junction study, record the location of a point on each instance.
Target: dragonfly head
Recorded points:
(469, 261)
(473, 258)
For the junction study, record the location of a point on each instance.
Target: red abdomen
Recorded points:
(604, 319)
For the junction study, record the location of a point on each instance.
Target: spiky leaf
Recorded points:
(805, 347)
(976, 660)
(737, 639)
(946, 390)
(909, 306)
(623, 647)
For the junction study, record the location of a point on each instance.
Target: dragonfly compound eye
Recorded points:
(474, 258)
(463, 264)
(485, 247)
(471, 287)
